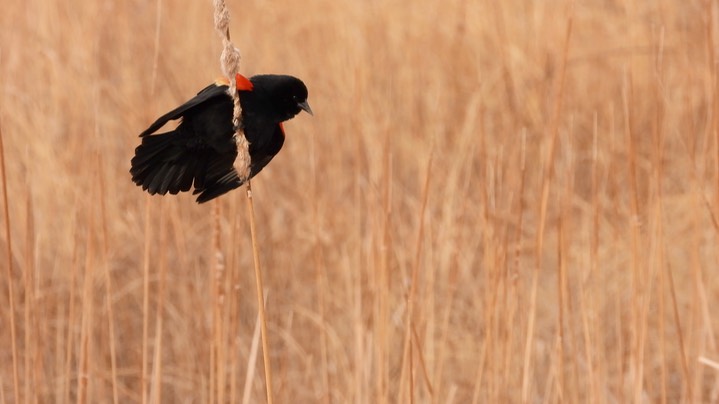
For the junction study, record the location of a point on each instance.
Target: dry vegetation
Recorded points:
(506, 201)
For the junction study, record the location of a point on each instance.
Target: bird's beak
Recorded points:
(305, 106)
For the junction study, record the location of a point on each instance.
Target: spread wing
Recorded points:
(200, 150)
(203, 96)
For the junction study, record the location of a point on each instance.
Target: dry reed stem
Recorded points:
(709, 362)
(146, 296)
(680, 332)
(561, 298)
(234, 302)
(659, 159)
(216, 279)
(413, 285)
(640, 295)
(320, 276)
(547, 180)
(147, 245)
(456, 184)
(382, 281)
(586, 293)
(108, 284)
(251, 363)
(156, 385)
(712, 129)
(9, 270)
(69, 341)
(260, 296)
(422, 363)
(518, 235)
(658, 155)
(230, 62)
(83, 372)
(30, 315)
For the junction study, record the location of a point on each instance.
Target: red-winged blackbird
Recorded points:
(202, 149)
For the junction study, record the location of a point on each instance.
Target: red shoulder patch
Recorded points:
(243, 83)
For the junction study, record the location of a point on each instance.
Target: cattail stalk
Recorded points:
(230, 62)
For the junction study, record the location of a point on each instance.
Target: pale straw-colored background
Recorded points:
(549, 173)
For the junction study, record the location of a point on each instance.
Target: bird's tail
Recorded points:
(162, 164)
(218, 186)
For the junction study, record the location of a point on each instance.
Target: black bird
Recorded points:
(201, 151)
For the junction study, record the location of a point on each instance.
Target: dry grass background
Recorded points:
(542, 179)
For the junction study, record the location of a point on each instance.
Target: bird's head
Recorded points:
(288, 94)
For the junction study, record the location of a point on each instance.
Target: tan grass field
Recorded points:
(512, 201)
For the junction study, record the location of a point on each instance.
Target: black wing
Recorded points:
(262, 155)
(225, 176)
(200, 150)
(207, 93)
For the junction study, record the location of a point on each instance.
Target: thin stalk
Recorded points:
(260, 295)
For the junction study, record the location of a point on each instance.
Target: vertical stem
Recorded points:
(145, 297)
(260, 296)
(156, 385)
(407, 357)
(11, 295)
(108, 285)
(548, 176)
(148, 228)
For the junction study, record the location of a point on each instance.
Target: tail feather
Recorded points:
(224, 184)
(155, 185)
(183, 181)
(162, 164)
(175, 161)
(170, 179)
(221, 178)
(151, 146)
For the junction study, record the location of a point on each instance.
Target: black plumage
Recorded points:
(201, 151)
